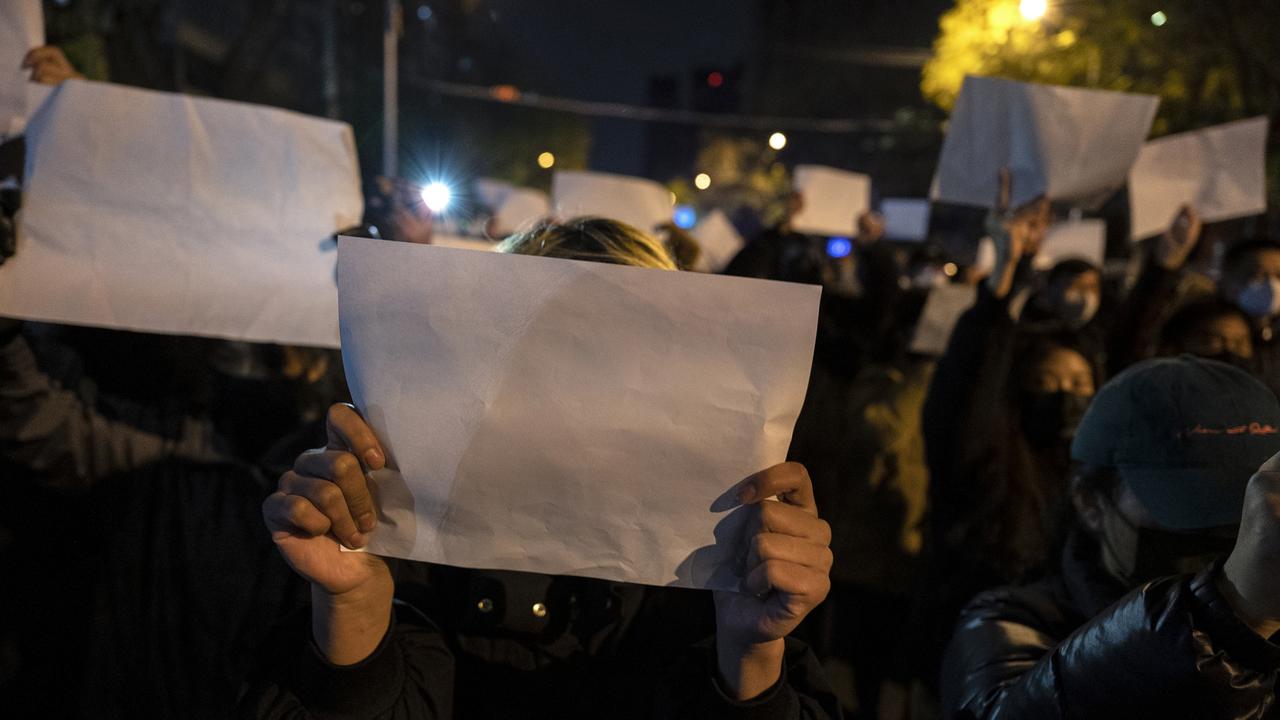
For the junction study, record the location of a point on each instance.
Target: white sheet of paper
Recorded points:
(638, 202)
(1074, 144)
(833, 200)
(905, 219)
(164, 213)
(719, 241)
(566, 417)
(21, 30)
(491, 192)
(1221, 170)
(1082, 240)
(942, 310)
(520, 209)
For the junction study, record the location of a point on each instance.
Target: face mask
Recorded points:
(1050, 419)
(1162, 553)
(1260, 298)
(1077, 309)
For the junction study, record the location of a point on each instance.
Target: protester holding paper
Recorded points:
(995, 489)
(370, 661)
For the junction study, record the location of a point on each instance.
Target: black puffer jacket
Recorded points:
(1077, 646)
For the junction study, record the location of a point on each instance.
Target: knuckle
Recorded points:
(824, 531)
(344, 464)
(763, 545)
(330, 497)
(296, 506)
(828, 558)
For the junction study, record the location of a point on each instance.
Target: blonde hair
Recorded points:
(595, 239)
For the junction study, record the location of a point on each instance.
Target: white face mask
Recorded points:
(1079, 308)
(1260, 298)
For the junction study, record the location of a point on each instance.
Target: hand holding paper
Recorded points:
(1221, 170)
(1175, 244)
(787, 575)
(1071, 144)
(565, 417)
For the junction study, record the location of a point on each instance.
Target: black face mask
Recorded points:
(1162, 553)
(1050, 419)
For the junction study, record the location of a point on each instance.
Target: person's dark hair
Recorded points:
(1099, 479)
(1193, 315)
(1245, 248)
(1070, 267)
(1034, 349)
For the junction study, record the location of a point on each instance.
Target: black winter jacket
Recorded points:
(1077, 646)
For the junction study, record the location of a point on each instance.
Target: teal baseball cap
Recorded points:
(1185, 434)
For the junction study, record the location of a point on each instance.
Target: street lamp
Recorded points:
(1033, 10)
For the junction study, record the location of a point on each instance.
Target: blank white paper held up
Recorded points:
(1221, 170)
(1073, 144)
(832, 200)
(567, 417)
(158, 212)
(638, 202)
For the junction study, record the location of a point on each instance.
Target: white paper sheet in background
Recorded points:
(1221, 170)
(1082, 239)
(566, 417)
(1074, 144)
(163, 213)
(519, 210)
(833, 200)
(905, 219)
(636, 201)
(490, 192)
(514, 208)
(21, 29)
(718, 239)
(942, 310)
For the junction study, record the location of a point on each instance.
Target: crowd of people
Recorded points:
(1074, 511)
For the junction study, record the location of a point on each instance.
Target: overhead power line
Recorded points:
(510, 95)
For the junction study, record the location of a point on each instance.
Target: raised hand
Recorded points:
(49, 65)
(1251, 576)
(787, 576)
(325, 501)
(1174, 246)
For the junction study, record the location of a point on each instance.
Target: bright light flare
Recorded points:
(546, 160)
(839, 247)
(702, 181)
(436, 197)
(1158, 18)
(777, 141)
(1033, 9)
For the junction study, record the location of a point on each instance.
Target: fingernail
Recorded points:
(368, 521)
(358, 540)
(747, 493)
(373, 458)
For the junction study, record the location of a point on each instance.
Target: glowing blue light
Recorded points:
(838, 247)
(424, 13)
(685, 217)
